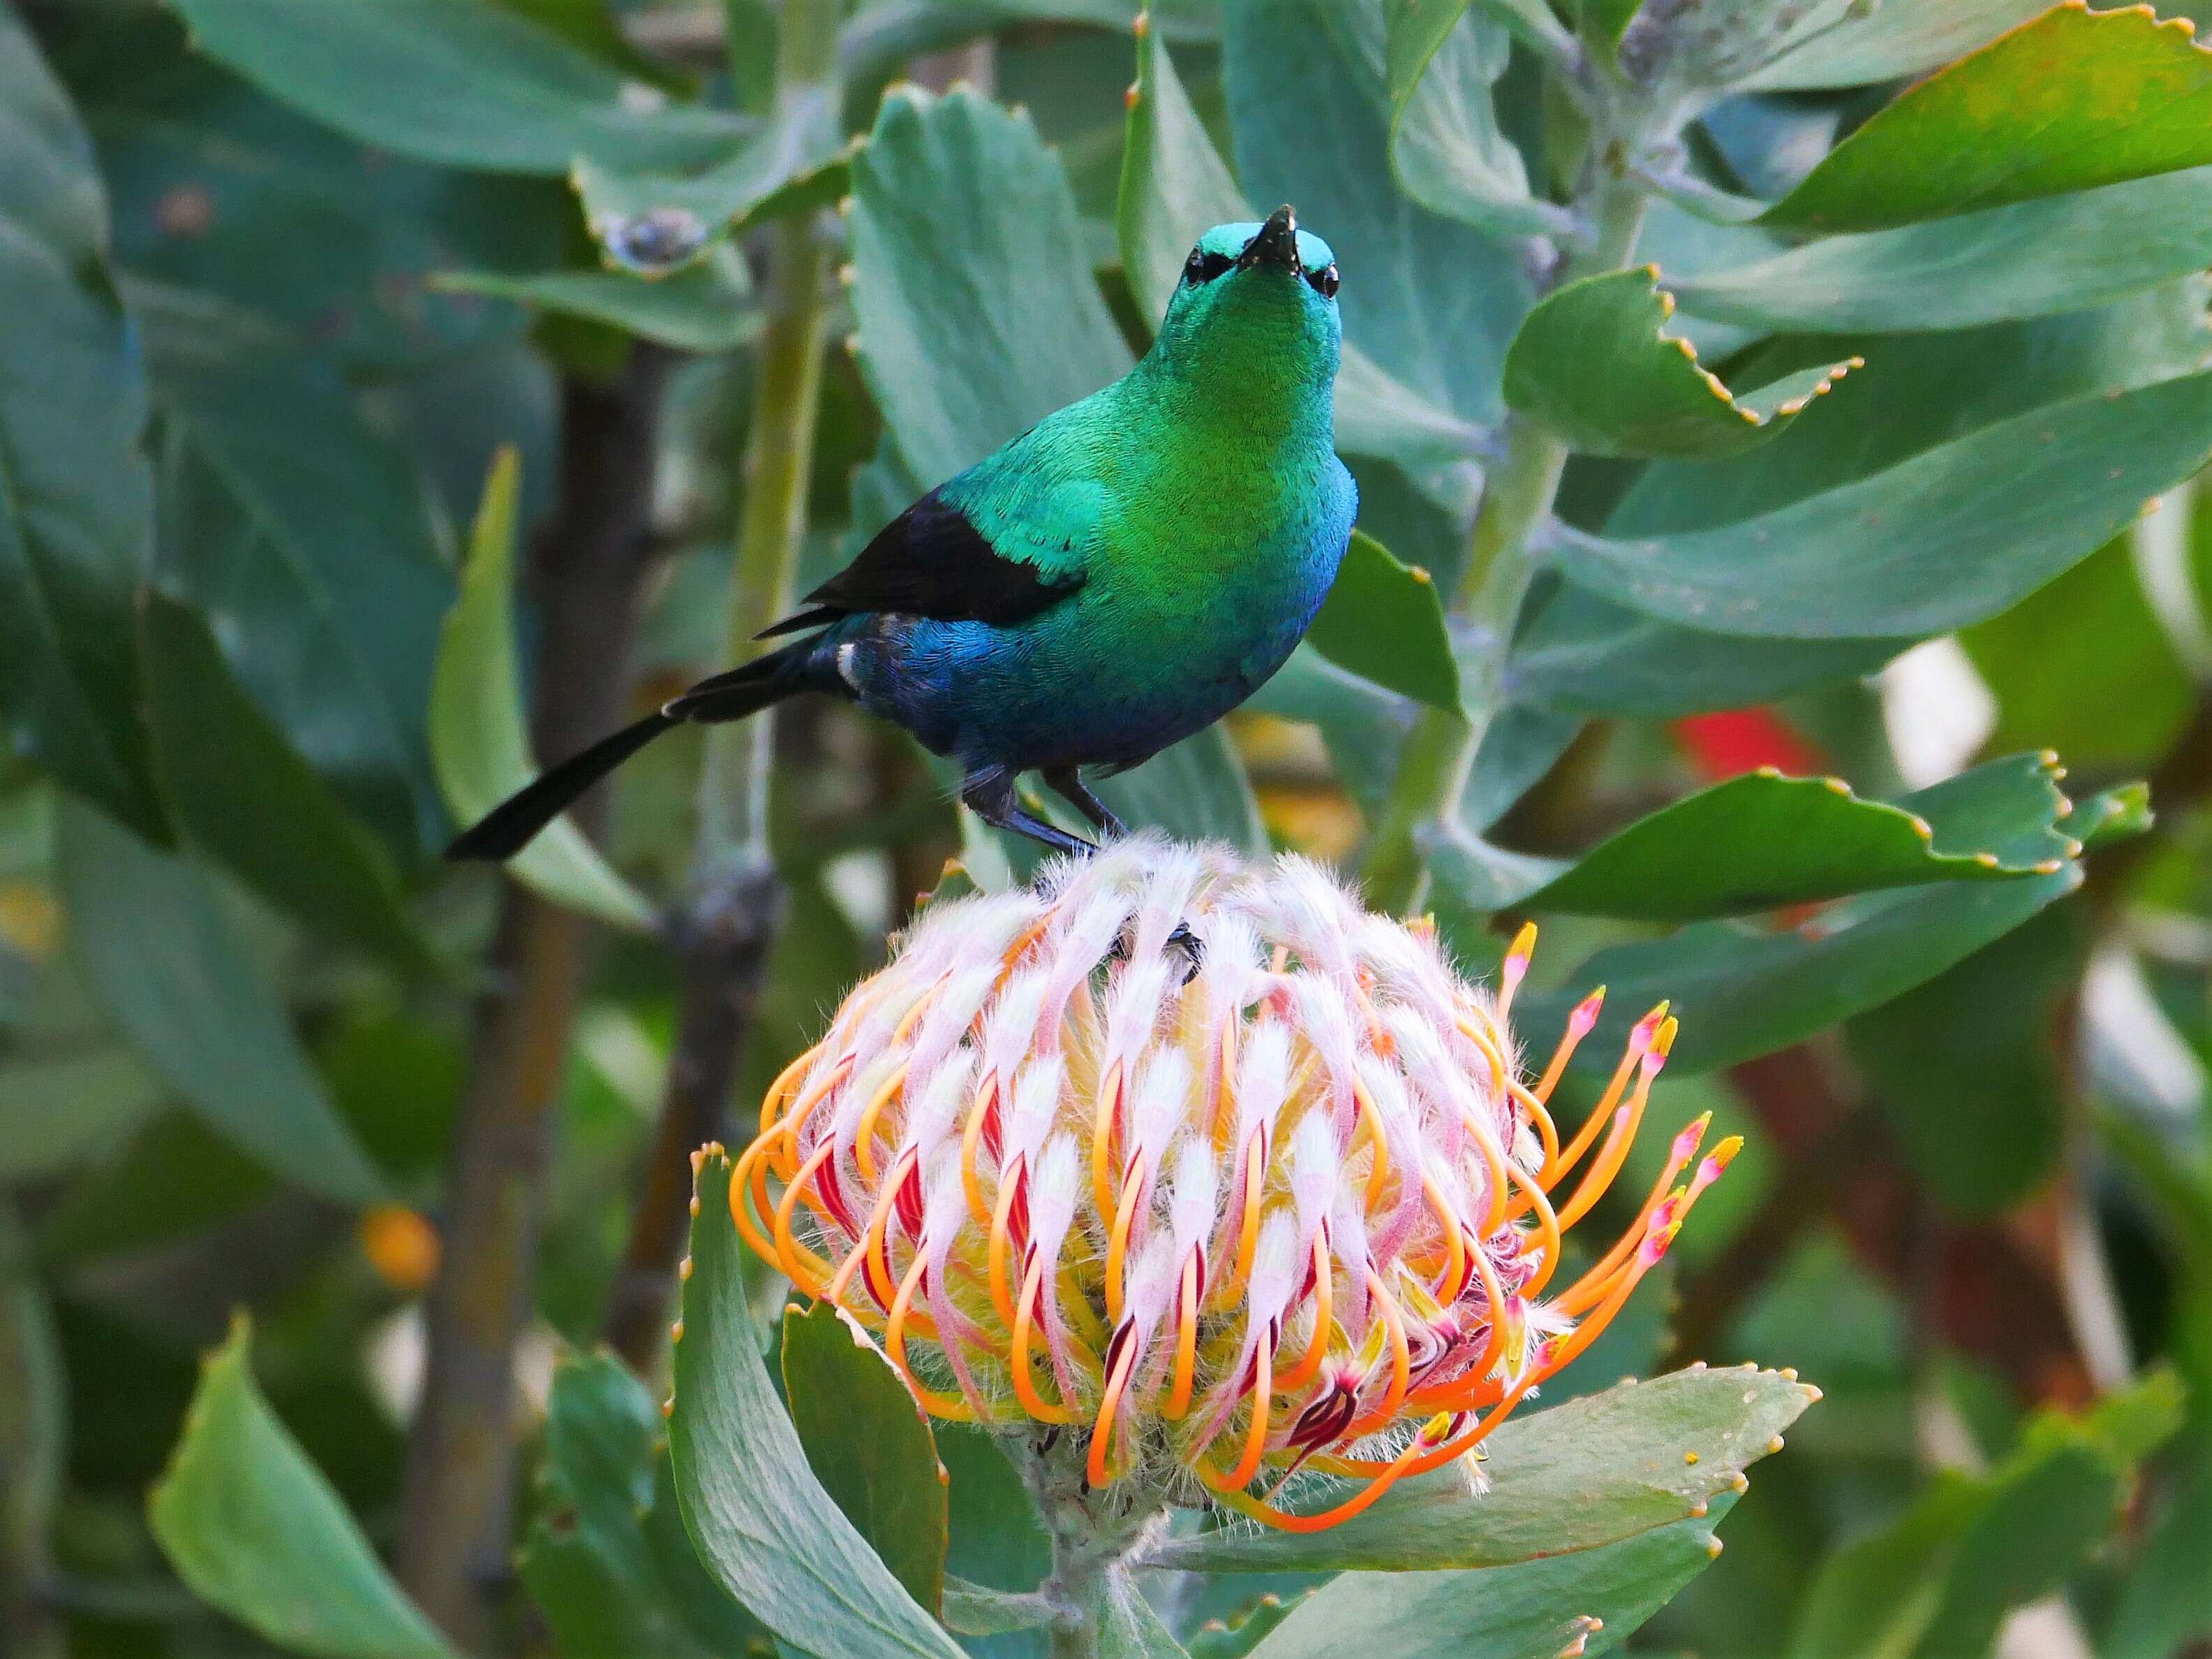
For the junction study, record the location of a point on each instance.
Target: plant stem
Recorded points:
(1517, 499)
(589, 565)
(1093, 1536)
(728, 923)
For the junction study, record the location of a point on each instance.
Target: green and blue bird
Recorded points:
(1117, 578)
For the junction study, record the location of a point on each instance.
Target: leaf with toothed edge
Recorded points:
(1939, 1581)
(1236, 1638)
(757, 1514)
(1593, 363)
(1763, 840)
(2072, 99)
(1742, 991)
(1593, 1472)
(2058, 254)
(1385, 622)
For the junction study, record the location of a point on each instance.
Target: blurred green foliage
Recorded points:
(367, 365)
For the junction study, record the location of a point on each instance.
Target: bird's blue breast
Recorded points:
(1130, 663)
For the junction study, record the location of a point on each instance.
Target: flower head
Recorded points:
(1211, 1166)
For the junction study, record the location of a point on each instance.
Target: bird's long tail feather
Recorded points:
(510, 826)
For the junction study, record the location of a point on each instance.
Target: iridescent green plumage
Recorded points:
(1115, 579)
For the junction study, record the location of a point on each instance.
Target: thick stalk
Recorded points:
(728, 923)
(1517, 502)
(587, 568)
(1094, 1531)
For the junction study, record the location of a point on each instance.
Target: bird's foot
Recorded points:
(1067, 782)
(1182, 940)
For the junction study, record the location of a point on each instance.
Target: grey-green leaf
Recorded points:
(760, 1519)
(156, 950)
(1598, 1469)
(466, 83)
(1740, 992)
(1582, 1603)
(868, 1442)
(255, 1529)
(76, 491)
(243, 795)
(1952, 535)
(2031, 259)
(477, 738)
(306, 542)
(705, 307)
(972, 289)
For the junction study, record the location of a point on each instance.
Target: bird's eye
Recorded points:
(1324, 281)
(1203, 267)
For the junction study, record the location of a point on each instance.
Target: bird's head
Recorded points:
(1258, 301)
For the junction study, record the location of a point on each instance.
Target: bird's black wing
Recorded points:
(931, 562)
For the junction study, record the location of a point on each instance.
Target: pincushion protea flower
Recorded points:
(1207, 1164)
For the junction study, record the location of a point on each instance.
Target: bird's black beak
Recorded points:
(1277, 244)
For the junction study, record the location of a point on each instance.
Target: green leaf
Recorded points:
(1385, 622)
(1965, 1070)
(655, 223)
(2166, 1600)
(705, 308)
(1939, 1582)
(1918, 393)
(2073, 100)
(998, 1543)
(2094, 626)
(1740, 992)
(156, 951)
(1128, 1626)
(1763, 840)
(1174, 187)
(1593, 363)
(868, 1442)
(1892, 43)
(56, 1114)
(1236, 1638)
(1582, 655)
(2033, 259)
(1950, 536)
(1298, 70)
(241, 793)
(306, 541)
(977, 315)
(461, 83)
(254, 1528)
(476, 735)
(973, 1610)
(35, 1412)
(760, 1520)
(1440, 61)
(606, 1559)
(75, 493)
(221, 191)
(1597, 1470)
(1581, 1603)
(1195, 791)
